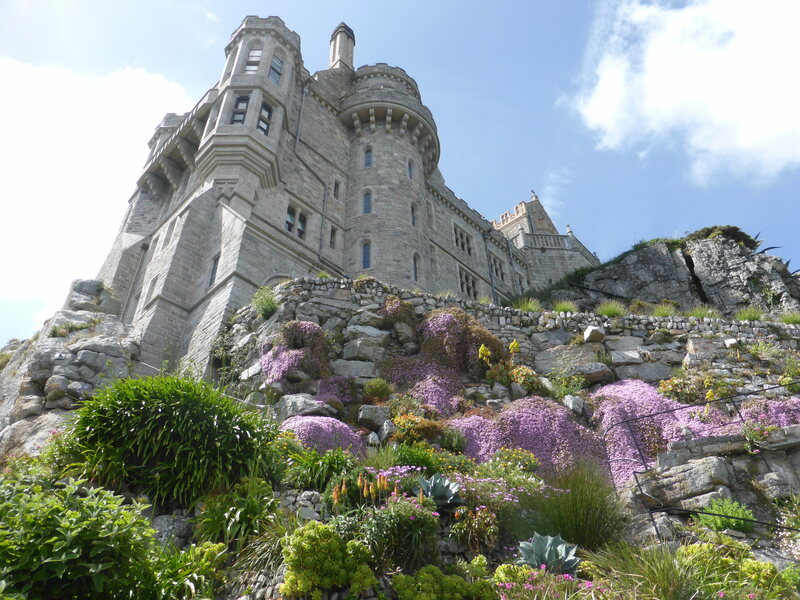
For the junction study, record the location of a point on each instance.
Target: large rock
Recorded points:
(649, 372)
(673, 485)
(373, 417)
(564, 358)
(366, 318)
(175, 529)
(91, 295)
(359, 369)
(301, 405)
(379, 336)
(364, 349)
(29, 435)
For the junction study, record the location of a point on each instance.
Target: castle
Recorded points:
(277, 173)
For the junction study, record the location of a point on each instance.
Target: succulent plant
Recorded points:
(555, 553)
(441, 490)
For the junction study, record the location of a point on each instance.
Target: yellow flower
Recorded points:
(513, 347)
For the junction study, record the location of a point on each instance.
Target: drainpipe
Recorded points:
(144, 247)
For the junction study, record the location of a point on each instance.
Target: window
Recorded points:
(368, 157)
(415, 267)
(264, 118)
(333, 237)
(214, 267)
(366, 250)
(301, 226)
(336, 190)
(413, 215)
(290, 218)
(275, 70)
(168, 235)
(497, 267)
(463, 240)
(239, 110)
(469, 284)
(367, 203)
(151, 289)
(410, 170)
(433, 260)
(252, 61)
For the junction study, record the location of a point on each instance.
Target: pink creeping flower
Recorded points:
(412, 517)
(567, 577)
(720, 594)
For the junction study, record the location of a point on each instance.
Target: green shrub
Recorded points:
(396, 310)
(730, 232)
(611, 308)
(703, 311)
(317, 559)
(691, 388)
(791, 375)
(731, 513)
(791, 318)
(377, 388)
(430, 583)
(403, 404)
(403, 533)
(171, 438)
(477, 528)
(323, 275)
(264, 302)
(749, 313)
(193, 572)
(484, 300)
(565, 306)
(234, 517)
(527, 304)
(64, 329)
(453, 440)
(5, 357)
(310, 470)
(565, 384)
(582, 508)
(411, 428)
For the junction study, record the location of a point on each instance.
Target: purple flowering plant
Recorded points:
(324, 433)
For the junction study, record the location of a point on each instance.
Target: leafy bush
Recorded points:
(317, 559)
(412, 428)
(791, 375)
(377, 388)
(565, 306)
(703, 311)
(694, 387)
(171, 438)
(728, 515)
(431, 460)
(234, 517)
(403, 533)
(398, 311)
(564, 383)
(527, 304)
(581, 506)
(264, 302)
(310, 470)
(611, 308)
(791, 318)
(64, 329)
(477, 528)
(453, 440)
(551, 551)
(194, 572)
(749, 313)
(430, 583)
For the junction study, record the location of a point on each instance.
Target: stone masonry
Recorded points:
(277, 173)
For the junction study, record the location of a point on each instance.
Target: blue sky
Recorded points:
(631, 119)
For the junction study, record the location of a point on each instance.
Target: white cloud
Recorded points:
(552, 194)
(716, 77)
(72, 150)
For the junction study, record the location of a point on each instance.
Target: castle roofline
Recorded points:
(344, 27)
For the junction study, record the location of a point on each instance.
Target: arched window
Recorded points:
(368, 156)
(413, 215)
(415, 267)
(367, 203)
(366, 255)
(410, 170)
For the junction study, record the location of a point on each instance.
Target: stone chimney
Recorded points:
(343, 43)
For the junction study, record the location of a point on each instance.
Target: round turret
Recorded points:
(394, 147)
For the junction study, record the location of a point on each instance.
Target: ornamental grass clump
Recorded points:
(324, 433)
(703, 311)
(749, 313)
(611, 308)
(565, 306)
(791, 318)
(528, 304)
(264, 302)
(169, 437)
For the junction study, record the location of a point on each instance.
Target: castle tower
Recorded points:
(343, 42)
(394, 147)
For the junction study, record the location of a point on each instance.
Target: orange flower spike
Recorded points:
(361, 480)
(373, 490)
(421, 497)
(396, 490)
(344, 488)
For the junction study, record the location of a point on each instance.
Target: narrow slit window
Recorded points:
(333, 237)
(301, 226)
(214, 266)
(366, 258)
(240, 110)
(336, 190)
(367, 202)
(290, 218)
(264, 118)
(413, 215)
(253, 59)
(410, 170)
(275, 70)
(415, 267)
(368, 157)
